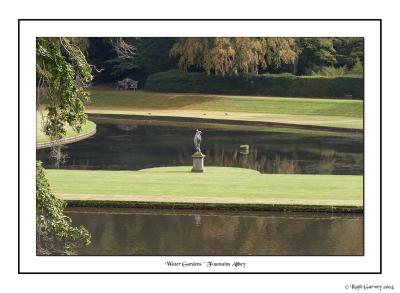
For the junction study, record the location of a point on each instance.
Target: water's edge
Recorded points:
(215, 206)
(224, 121)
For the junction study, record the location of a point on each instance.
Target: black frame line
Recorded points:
(222, 20)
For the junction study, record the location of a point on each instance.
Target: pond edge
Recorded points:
(66, 140)
(215, 206)
(94, 115)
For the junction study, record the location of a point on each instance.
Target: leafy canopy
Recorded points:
(62, 74)
(234, 55)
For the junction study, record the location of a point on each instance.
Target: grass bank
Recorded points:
(300, 133)
(304, 111)
(217, 185)
(89, 126)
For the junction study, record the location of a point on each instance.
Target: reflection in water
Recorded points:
(57, 156)
(197, 219)
(143, 232)
(133, 147)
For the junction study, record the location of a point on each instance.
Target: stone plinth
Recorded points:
(198, 162)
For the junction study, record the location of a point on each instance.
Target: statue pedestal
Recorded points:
(198, 162)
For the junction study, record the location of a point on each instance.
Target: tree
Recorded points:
(143, 57)
(315, 53)
(99, 51)
(349, 52)
(153, 54)
(54, 233)
(62, 74)
(139, 57)
(335, 55)
(234, 55)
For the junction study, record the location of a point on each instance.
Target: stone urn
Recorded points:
(198, 162)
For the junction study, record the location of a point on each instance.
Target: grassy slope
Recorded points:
(327, 112)
(300, 133)
(217, 184)
(41, 137)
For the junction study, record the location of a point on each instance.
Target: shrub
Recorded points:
(283, 85)
(330, 71)
(358, 68)
(54, 233)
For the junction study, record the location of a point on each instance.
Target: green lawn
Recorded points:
(41, 137)
(216, 185)
(307, 111)
(299, 133)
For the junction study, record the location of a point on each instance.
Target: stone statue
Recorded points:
(198, 157)
(197, 140)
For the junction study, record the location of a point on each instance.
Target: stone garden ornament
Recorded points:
(197, 140)
(198, 157)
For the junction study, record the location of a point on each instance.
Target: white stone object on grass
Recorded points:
(198, 162)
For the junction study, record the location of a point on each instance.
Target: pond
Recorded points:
(134, 145)
(138, 145)
(167, 232)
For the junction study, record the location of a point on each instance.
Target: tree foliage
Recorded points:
(153, 54)
(349, 52)
(62, 74)
(54, 232)
(124, 57)
(147, 56)
(330, 55)
(315, 53)
(233, 55)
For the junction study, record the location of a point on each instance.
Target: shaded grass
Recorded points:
(221, 117)
(179, 184)
(300, 133)
(301, 111)
(107, 98)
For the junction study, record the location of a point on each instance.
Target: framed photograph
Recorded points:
(200, 146)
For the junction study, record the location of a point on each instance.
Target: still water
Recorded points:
(166, 232)
(133, 146)
(119, 146)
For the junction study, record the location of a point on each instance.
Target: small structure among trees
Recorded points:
(127, 84)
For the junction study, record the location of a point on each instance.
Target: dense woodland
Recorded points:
(137, 58)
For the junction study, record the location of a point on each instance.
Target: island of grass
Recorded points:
(334, 113)
(218, 187)
(43, 141)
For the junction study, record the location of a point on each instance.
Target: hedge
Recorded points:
(282, 85)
